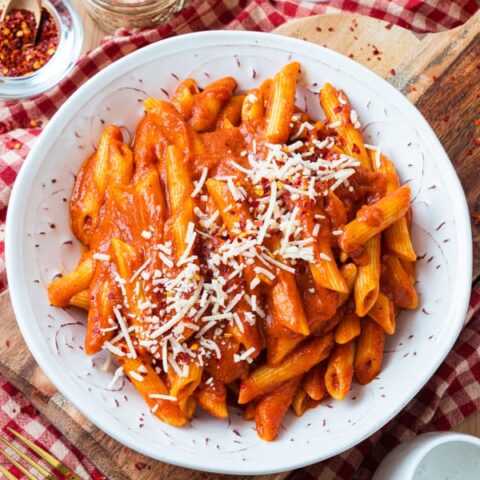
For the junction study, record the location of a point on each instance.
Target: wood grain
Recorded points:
(451, 57)
(451, 106)
(92, 33)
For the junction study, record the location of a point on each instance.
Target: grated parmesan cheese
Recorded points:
(102, 257)
(161, 396)
(116, 376)
(136, 376)
(200, 183)
(125, 332)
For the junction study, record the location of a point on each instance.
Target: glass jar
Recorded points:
(70, 31)
(113, 14)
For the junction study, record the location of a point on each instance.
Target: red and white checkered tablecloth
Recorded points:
(450, 396)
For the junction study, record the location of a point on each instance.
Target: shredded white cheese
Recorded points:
(161, 396)
(200, 183)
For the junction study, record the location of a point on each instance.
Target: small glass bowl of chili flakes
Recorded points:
(30, 66)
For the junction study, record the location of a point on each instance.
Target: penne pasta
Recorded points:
(253, 107)
(80, 300)
(302, 402)
(349, 272)
(397, 283)
(286, 303)
(265, 378)
(366, 288)
(183, 386)
(212, 398)
(184, 97)
(153, 390)
(374, 218)
(208, 103)
(369, 354)
(102, 164)
(397, 236)
(339, 115)
(339, 373)
(383, 312)
(231, 112)
(348, 328)
(281, 104)
(63, 288)
(325, 271)
(103, 295)
(180, 188)
(314, 382)
(271, 409)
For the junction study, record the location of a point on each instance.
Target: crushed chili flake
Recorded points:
(477, 122)
(477, 141)
(18, 55)
(392, 71)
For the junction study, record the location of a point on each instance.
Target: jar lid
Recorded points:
(70, 41)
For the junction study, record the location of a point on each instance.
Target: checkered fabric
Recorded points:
(450, 396)
(18, 413)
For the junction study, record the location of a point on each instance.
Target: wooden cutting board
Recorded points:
(439, 72)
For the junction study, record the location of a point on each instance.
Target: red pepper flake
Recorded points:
(331, 29)
(434, 78)
(413, 88)
(337, 109)
(477, 141)
(18, 55)
(318, 29)
(392, 72)
(469, 152)
(477, 122)
(446, 118)
(355, 148)
(351, 55)
(476, 218)
(389, 26)
(140, 465)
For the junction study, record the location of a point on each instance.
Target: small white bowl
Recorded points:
(40, 244)
(433, 456)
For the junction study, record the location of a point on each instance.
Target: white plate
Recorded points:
(39, 246)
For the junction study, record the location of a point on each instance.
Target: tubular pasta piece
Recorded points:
(339, 374)
(265, 379)
(272, 408)
(369, 355)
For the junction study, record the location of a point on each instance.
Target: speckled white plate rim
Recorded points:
(15, 238)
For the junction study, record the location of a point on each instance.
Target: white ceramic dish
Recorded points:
(439, 455)
(40, 244)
